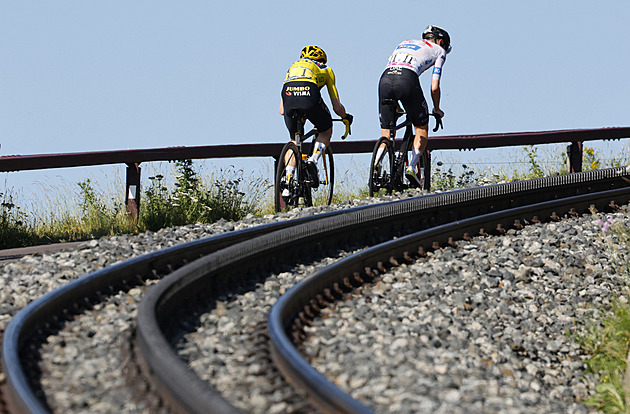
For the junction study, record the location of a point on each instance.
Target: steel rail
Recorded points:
(57, 304)
(287, 317)
(198, 281)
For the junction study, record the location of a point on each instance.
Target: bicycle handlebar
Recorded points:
(438, 122)
(346, 122)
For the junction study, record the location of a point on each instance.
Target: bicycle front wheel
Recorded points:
(322, 192)
(381, 168)
(286, 188)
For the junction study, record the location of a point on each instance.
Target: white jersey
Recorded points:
(418, 56)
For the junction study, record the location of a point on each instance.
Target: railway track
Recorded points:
(193, 279)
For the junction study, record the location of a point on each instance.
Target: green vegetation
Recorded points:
(13, 227)
(608, 345)
(185, 198)
(608, 342)
(446, 178)
(538, 163)
(190, 201)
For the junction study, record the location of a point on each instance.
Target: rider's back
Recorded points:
(307, 70)
(418, 56)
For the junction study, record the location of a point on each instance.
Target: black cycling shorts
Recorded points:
(402, 85)
(305, 96)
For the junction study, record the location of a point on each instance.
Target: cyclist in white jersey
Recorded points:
(400, 82)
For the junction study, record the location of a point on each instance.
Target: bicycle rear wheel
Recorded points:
(284, 183)
(381, 168)
(322, 194)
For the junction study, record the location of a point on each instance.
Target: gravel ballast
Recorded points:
(484, 327)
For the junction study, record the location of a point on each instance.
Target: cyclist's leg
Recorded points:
(291, 103)
(319, 115)
(418, 111)
(320, 145)
(317, 163)
(419, 143)
(388, 90)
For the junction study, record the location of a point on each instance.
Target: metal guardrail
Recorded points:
(133, 158)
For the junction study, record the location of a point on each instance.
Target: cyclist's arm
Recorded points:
(435, 96)
(338, 107)
(334, 94)
(281, 107)
(435, 84)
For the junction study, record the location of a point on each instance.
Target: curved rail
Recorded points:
(371, 225)
(60, 303)
(288, 316)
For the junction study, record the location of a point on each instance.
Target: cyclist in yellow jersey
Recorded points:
(301, 90)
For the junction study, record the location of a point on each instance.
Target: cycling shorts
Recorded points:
(305, 96)
(402, 85)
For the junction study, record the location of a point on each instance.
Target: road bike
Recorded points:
(387, 167)
(299, 189)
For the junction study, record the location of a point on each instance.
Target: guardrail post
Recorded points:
(132, 196)
(574, 157)
(276, 159)
(427, 170)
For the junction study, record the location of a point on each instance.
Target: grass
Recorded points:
(185, 196)
(526, 163)
(608, 342)
(189, 198)
(13, 227)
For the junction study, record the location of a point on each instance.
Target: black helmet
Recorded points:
(434, 32)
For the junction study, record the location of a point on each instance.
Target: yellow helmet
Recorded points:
(315, 53)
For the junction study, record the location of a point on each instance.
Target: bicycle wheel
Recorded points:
(399, 181)
(290, 188)
(323, 193)
(381, 168)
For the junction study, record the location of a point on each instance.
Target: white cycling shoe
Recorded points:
(412, 176)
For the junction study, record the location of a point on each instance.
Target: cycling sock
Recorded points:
(416, 158)
(317, 152)
(379, 153)
(290, 170)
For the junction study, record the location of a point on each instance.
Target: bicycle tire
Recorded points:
(382, 179)
(324, 192)
(398, 170)
(283, 203)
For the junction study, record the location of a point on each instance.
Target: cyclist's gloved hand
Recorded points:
(349, 118)
(438, 119)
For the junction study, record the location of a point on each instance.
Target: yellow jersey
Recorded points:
(307, 70)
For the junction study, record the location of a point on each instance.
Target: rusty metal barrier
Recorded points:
(133, 158)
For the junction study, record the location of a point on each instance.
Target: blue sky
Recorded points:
(79, 75)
